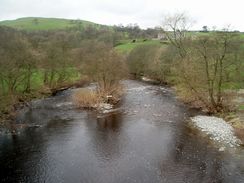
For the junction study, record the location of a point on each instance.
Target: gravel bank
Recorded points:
(217, 129)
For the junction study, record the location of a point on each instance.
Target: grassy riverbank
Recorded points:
(38, 89)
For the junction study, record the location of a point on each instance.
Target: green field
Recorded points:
(126, 46)
(36, 23)
(242, 35)
(38, 77)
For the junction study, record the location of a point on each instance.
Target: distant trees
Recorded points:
(205, 28)
(154, 61)
(35, 21)
(140, 60)
(133, 31)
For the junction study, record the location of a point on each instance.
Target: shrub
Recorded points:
(86, 98)
(111, 94)
(103, 65)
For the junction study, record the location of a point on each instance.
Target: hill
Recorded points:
(38, 23)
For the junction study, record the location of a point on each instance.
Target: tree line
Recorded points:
(41, 60)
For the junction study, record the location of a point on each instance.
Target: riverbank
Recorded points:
(11, 106)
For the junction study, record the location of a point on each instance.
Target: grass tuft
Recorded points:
(86, 98)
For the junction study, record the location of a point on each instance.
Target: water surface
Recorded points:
(148, 141)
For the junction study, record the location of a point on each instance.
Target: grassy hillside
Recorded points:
(36, 23)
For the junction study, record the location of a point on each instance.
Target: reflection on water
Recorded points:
(148, 141)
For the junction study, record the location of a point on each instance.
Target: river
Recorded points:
(147, 141)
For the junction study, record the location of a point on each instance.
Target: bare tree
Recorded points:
(14, 56)
(175, 27)
(102, 64)
(203, 61)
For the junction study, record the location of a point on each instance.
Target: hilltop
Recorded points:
(39, 23)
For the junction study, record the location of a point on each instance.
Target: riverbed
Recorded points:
(147, 140)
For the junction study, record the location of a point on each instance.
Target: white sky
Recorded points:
(146, 13)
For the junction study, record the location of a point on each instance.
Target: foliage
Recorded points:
(152, 60)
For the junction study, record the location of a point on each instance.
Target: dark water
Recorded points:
(148, 141)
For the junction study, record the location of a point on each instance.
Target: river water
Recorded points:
(147, 141)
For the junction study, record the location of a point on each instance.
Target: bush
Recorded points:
(86, 98)
(103, 65)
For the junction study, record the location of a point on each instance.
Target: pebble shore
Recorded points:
(217, 129)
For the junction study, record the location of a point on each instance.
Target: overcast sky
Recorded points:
(146, 13)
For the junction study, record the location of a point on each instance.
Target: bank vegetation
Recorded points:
(203, 68)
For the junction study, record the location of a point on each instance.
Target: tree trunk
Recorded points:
(2, 87)
(45, 80)
(28, 80)
(219, 94)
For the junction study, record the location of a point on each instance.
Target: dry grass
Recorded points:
(86, 98)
